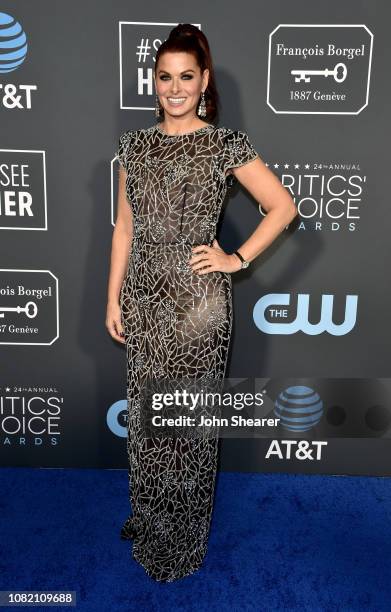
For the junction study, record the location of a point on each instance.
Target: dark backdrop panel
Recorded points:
(84, 77)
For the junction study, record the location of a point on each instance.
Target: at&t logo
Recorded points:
(301, 450)
(13, 51)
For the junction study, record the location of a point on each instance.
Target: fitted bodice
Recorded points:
(176, 184)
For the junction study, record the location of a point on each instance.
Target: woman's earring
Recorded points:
(157, 106)
(202, 108)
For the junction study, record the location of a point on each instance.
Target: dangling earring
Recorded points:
(157, 106)
(202, 108)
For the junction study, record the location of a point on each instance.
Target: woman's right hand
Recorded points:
(113, 322)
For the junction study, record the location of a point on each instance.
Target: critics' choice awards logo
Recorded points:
(30, 416)
(272, 317)
(319, 69)
(28, 307)
(328, 195)
(23, 203)
(13, 51)
(138, 43)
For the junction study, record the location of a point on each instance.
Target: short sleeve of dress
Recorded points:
(238, 150)
(126, 140)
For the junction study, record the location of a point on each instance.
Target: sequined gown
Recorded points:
(176, 323)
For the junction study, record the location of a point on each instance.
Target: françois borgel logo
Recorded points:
(138, 42)
(13, 52)
(319, 68)
(23, 190)
(28, 307)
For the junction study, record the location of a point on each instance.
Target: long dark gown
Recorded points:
(176, 324)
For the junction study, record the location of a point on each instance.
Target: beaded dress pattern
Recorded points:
(176, 324)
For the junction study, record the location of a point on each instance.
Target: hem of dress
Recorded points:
(152, 575)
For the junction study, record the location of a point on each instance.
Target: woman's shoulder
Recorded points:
(232, 133)
(137, 134)
(128, 136)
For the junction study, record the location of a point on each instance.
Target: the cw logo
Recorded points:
(273, 301)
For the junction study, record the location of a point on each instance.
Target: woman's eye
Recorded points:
(185, 76)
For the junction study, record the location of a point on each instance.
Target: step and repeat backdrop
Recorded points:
(311, 330)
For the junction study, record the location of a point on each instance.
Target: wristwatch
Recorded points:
(245, 264)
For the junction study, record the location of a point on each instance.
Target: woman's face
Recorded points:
(178, 76)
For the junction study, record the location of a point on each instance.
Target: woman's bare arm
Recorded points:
(267, 190)
(121, 244)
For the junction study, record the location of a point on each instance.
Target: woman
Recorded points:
(169, 292)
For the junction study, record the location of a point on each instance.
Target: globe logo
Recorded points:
(13, 44)
(299, 408)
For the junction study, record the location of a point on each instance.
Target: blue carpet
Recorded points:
(277, 542)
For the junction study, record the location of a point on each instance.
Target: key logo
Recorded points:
(339, 73)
